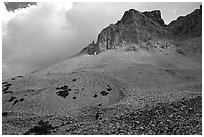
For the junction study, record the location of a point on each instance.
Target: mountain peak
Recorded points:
(138, 27)
(130, 16)
(155, 16)
(133, 28)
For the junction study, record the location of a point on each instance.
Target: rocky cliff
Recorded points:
(134, 27)
(155, 16)
(189, 26)
(138, 27)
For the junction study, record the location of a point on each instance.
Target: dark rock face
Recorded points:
(109, 38)
(136, 27)
(91, 49)
(133, 28)
(188, 26)
(155, 16)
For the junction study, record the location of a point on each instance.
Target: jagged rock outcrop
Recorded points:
(188, 26)
(138, 27)
(134, 27)
(91, 49)
(155, 16)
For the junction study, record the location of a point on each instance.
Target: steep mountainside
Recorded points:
(189, 26)
(138, 27)
(135, 27)
(155, 16)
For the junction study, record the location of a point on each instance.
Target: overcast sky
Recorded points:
(40, 35)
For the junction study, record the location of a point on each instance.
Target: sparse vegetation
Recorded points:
(104, 93)
(178, 50)
(131, 49)
(42, 128)
(64, 91)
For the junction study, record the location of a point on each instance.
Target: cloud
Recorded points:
(37, 36)
(46, 33)
(34, 37)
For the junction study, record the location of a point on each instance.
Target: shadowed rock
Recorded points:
(134, 27)
(188, 26)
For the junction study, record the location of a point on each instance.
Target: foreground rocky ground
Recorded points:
(183, 117)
